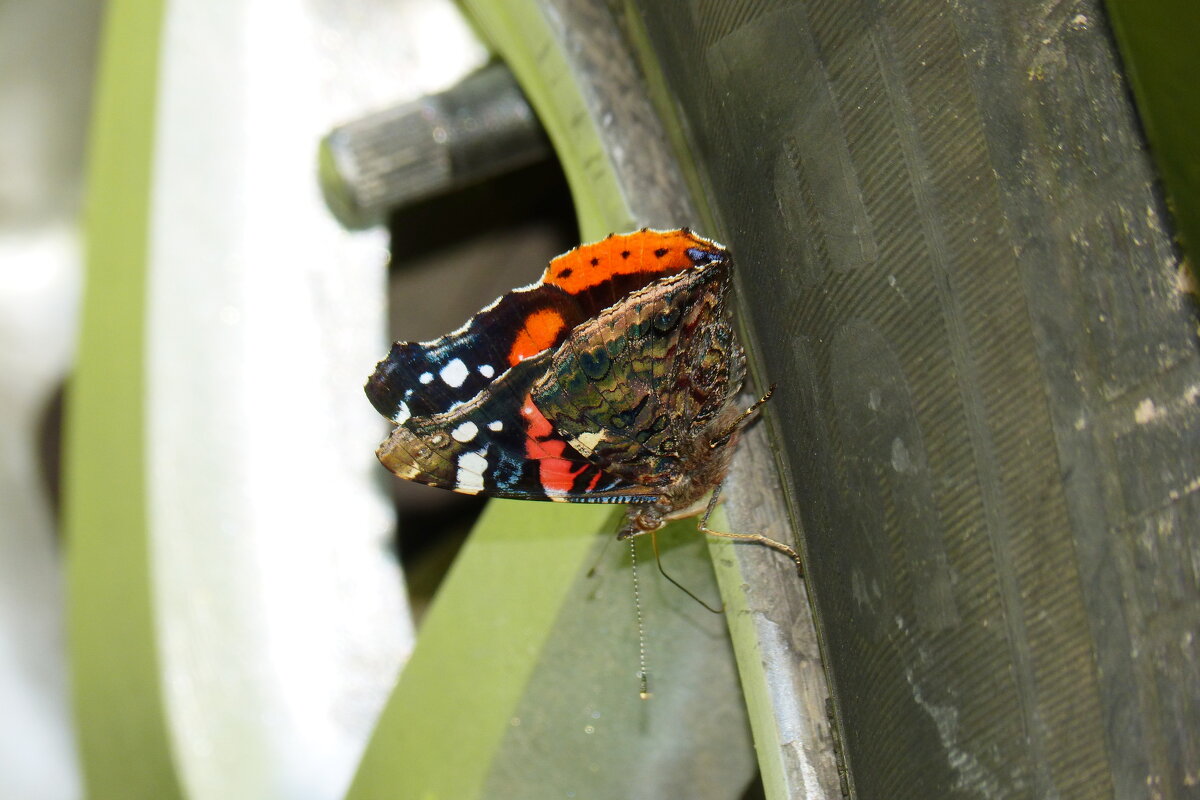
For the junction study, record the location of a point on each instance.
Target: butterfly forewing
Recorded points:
(426, 378)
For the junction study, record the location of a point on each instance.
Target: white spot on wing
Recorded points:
(487, 370)
(454, 373)
(471, 468)
(425, 377)
(465, 432)
(496, 426)
(402, 414)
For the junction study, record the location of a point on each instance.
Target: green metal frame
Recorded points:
(124, 742)
(1157, 40)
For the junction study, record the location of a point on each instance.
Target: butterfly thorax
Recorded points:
(705, 462)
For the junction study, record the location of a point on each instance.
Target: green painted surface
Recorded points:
(520, 32)
(122, 731)
(1158, 42)
(752, 661)
(478, 647)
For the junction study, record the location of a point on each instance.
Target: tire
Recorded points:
(957, 266)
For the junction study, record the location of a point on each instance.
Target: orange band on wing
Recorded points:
(649, 252)
(541, 330)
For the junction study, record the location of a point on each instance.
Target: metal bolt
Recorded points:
(477, 129)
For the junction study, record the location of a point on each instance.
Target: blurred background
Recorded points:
(283, 612)
(47, 60)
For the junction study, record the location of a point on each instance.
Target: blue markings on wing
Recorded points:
(509, 474)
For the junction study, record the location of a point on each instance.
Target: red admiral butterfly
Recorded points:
(613, 379)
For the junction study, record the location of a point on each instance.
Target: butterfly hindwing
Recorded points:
(632, 388)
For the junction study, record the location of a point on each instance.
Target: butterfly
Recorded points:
(615, 378)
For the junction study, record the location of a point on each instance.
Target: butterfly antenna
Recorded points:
(641, 628)
(680, 586)
(743, 419)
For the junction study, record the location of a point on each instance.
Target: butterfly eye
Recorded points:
(595, 363)
(700, 257)
(665, 320)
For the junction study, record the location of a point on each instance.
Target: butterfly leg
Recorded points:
(746, 537)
